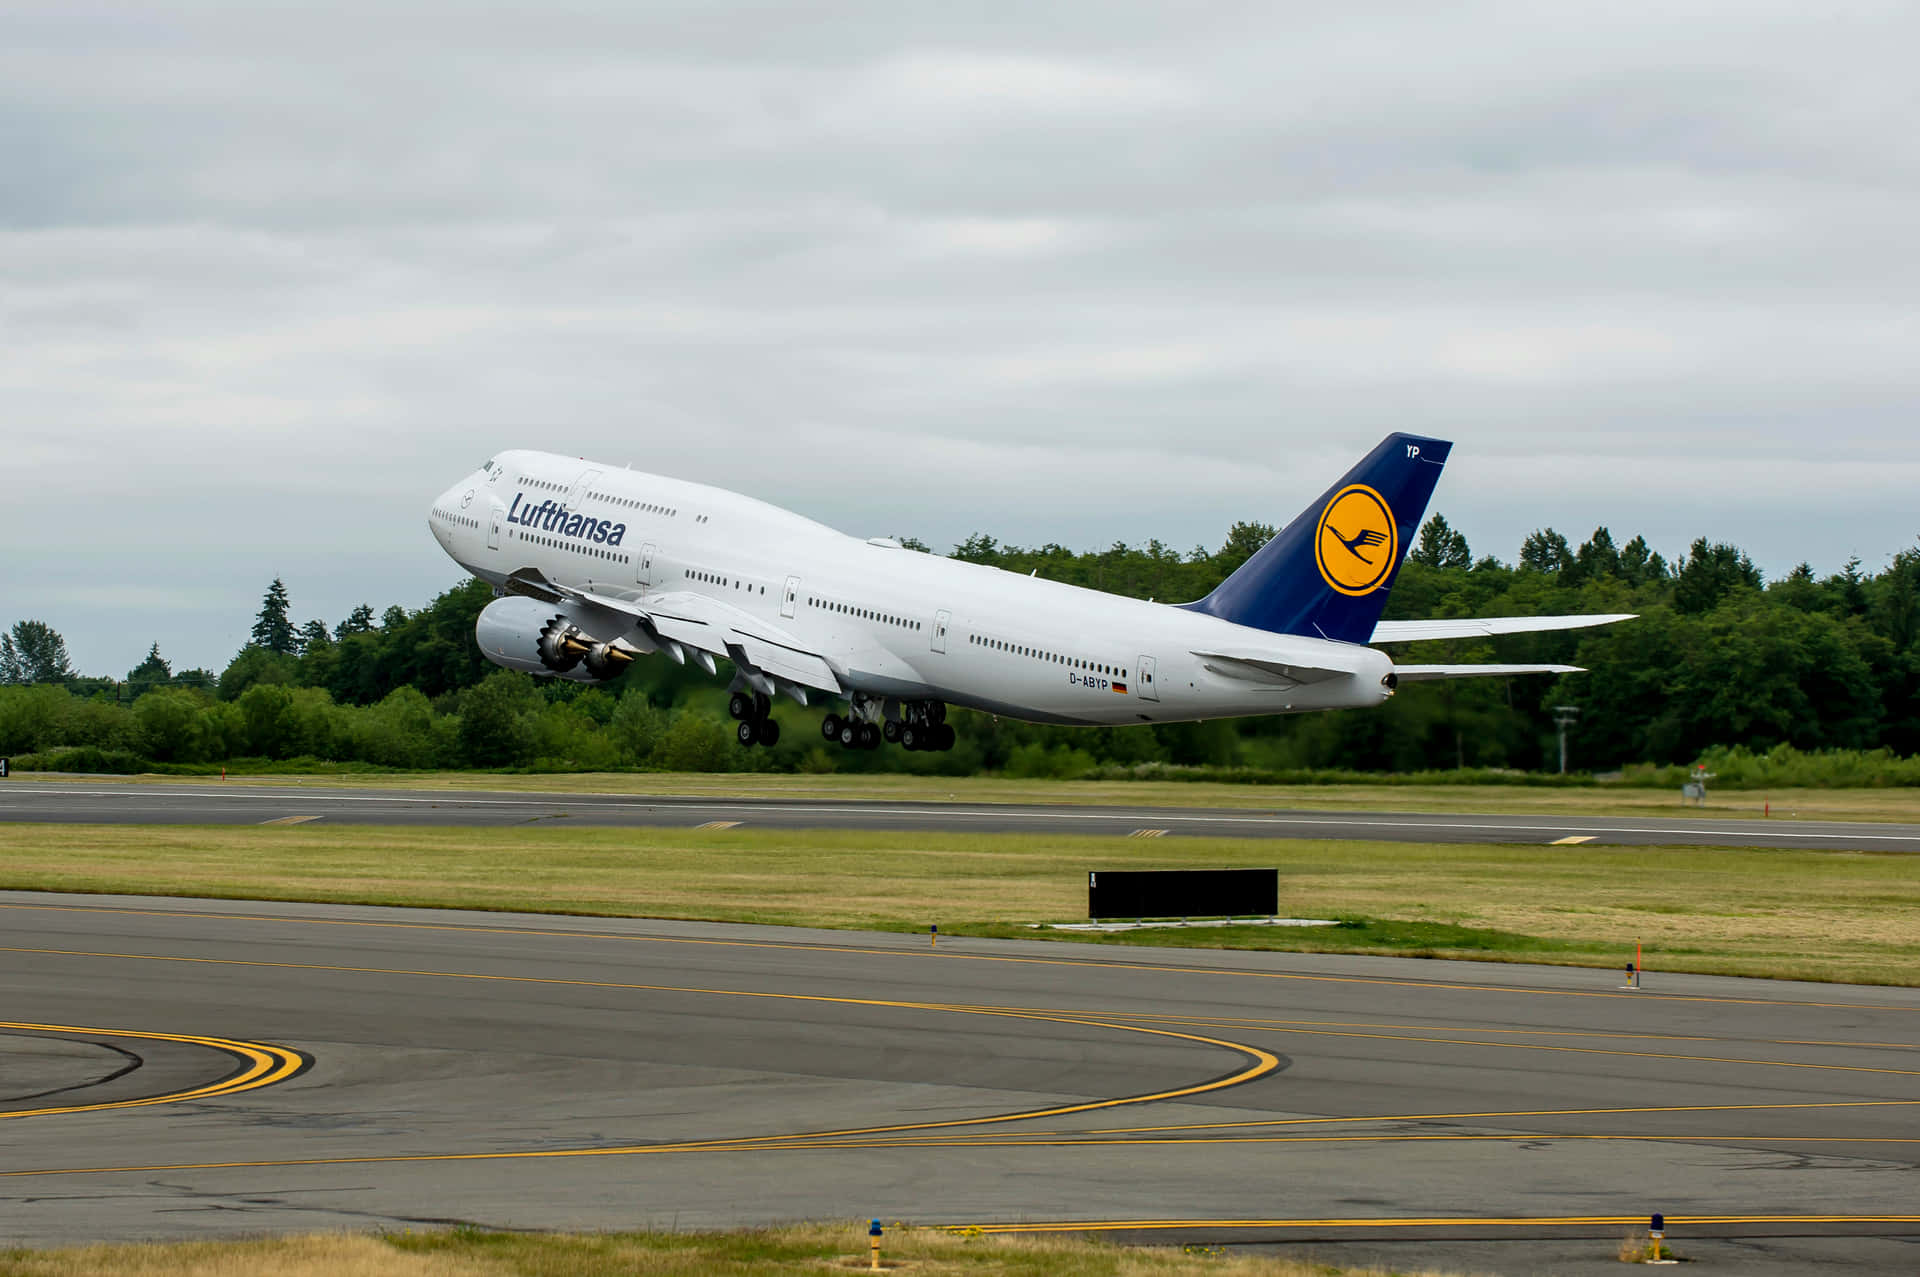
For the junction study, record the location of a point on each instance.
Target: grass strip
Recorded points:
(1814, 915)
(812, 1248)
(1603, 800)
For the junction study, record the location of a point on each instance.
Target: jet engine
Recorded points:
(555, 639)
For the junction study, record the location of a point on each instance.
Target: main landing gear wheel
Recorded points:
(869, 736)
(849, 733)
(830, 727)
(890, 732)
(753, 711)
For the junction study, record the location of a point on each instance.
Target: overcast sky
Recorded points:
(272, 277)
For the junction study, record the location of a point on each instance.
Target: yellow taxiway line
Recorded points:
(261, 1064)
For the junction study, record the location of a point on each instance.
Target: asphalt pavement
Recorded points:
(108, 802)
(183, 1068)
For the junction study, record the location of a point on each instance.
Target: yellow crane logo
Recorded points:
(1356, 544)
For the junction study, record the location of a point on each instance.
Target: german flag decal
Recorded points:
(1120, 688)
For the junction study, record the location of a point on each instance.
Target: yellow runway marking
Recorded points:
(1534, 1046)
(1484, 1116)
(1113, 1020)
(1508, 1221)
(719, 824)
(261, 1064)
(1533, 1137)
(1148, 833)
(825, 1143)
(1572, 840)
(1263, 1062)
(1258, 1023)
(289, 820)
(950, 955)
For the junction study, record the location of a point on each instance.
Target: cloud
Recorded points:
(269, 278)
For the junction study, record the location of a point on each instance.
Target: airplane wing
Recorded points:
(1487, 627)
(703, 624)
(1427, 673)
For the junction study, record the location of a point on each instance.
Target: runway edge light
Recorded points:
(873, 1242)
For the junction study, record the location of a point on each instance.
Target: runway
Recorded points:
(106, 802)
(313, 1067)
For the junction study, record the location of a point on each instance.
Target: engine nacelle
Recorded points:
(551, 639)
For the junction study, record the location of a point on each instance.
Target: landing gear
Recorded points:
(920, 725)
(918, 737)
(752, 710)
(925, 726)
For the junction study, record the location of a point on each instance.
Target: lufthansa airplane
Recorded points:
(597, 565)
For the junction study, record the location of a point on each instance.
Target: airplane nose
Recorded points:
(455, 509)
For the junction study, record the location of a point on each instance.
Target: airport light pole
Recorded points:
(1564, 716)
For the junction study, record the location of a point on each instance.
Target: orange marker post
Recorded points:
(933, 936)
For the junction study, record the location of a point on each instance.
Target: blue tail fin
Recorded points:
(1328, 572)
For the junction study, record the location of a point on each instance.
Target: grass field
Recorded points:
(1890, 804)
(815, 1248)
(1847, 916)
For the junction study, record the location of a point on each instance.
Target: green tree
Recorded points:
(152, 672)
(1545, 550)
(170, 723)
(272, 629)
(1442, 547)
(253, 665)
(1244, 540)
(696, 743)
(637, 726)
(359, 621)
(1710, 573)
(496, 719)
(34, 652)
(1598, 557)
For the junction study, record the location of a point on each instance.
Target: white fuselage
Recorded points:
(891, 622)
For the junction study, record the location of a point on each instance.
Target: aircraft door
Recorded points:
(939, 638)
(792, 593)
(643, 565)
(493, 525)
(1144, 683)
(582, 486)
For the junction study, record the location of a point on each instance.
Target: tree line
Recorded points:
(1719, 657)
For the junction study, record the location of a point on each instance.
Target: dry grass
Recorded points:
(1900, 805)
(1846, 916)
(815, 1248)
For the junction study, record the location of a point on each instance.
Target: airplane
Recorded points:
(596, 565)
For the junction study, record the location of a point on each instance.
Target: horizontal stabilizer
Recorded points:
(1265, 670)
(1428, 673)
(1487, 627)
